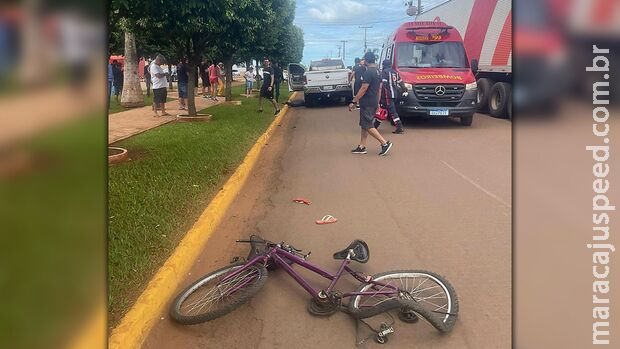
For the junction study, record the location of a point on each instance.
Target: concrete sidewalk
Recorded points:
(133, 121)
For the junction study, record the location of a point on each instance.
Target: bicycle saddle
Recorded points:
(359, 247)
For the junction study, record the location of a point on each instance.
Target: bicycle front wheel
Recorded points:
(426, 293)
(209, 298)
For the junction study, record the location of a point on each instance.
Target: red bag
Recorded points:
(381, 114)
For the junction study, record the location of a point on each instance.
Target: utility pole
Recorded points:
(339, 50)
(365, 32)
(344, 50)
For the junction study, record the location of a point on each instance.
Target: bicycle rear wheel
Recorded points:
(209, 298)
(426, 293)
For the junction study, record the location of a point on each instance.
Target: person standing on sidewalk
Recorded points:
(147, 77)
(117, 71)
(249, 81)
(266, 90)
(160, 85)
(368, 98)
(279, 77)
(358, 70)
(204, 76)
(110, 80)
(392, 84)
(212, 71)
(221, 74)
(183, 82)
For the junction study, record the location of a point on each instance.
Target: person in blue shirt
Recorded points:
(110, 80)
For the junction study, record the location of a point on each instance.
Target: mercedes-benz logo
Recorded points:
(440, 90)
(326, 76)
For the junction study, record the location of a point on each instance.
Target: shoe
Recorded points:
(385, 148)
(398, 131)
(359, 150)
(357, 107)
(277, 111)
(260, 110)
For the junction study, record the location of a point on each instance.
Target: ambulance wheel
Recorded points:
(467, 120)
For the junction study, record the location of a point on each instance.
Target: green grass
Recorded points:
(155, 198)
(115, 107)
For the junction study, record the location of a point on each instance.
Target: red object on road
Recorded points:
(327, 219)
(302, 201)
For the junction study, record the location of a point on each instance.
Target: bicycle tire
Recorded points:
(441, 323)
(241, 296)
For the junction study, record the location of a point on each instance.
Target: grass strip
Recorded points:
(175, 171)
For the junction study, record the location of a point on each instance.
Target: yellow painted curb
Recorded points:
(136, 324)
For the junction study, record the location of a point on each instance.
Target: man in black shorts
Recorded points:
(368, 97)
(204, 76)
(266, 90)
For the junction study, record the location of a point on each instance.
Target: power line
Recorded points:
(365, 35)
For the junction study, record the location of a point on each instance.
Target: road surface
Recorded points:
(441, 201)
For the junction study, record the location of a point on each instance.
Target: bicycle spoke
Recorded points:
(215, 295)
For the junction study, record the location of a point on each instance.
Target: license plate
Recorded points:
(328, 87)
(440, 112)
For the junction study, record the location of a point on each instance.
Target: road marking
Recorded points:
(136, 324)
(477, 185)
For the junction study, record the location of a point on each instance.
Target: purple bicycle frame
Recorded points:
(277, 254)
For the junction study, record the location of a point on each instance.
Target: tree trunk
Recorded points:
(191, 103)
(132, 91)
(228, 65)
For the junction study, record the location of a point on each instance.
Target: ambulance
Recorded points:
(431, 59)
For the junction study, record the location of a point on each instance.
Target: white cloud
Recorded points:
(337, 10)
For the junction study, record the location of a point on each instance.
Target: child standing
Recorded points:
(249, 81)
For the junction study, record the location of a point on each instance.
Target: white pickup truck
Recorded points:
(325, 79)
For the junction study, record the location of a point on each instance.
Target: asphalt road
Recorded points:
(439, 201)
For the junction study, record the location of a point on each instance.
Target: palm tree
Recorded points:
(132, 91)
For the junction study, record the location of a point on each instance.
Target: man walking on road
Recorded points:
(266, 90)
(389, 91)
(368, 98)
(160, 85)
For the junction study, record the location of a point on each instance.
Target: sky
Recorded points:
(327, 22)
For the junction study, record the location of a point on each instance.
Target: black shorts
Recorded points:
(160, 95)
(118, 89)
(367, 117)
(265, 93)
(205, 81)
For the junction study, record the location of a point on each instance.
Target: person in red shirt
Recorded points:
(213, 80)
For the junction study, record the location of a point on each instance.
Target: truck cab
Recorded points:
(431, 60)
